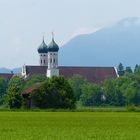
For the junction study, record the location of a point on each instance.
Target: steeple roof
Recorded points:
(53, 47)
(43, 48)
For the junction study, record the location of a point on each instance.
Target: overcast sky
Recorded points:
(22, 23)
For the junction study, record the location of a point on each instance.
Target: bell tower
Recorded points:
(53, 49)
(43, 54)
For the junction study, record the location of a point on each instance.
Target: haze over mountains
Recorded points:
(6, 70)
(107, 47)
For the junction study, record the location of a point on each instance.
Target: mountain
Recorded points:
(6, 70)
(17, 70)
(107, 47)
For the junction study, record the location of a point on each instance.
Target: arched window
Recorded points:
(54, 60)
(51, 60)
(41, 61)
(44, 61)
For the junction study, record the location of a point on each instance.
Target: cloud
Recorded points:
(81, 31)
(130, 21)
(84, 30)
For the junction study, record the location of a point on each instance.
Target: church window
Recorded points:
(54, 60)
(44, 61)
(41, 61)
(51, 60)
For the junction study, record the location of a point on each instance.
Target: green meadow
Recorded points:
(69, 126)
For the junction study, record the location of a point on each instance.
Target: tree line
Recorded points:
(54, 92)
(58, 92)
(122, 91)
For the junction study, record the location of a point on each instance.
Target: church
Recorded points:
(48, 66)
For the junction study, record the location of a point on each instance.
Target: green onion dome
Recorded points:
(43, 48)
(53, 47)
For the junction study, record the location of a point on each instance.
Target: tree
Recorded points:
(13, 97)
(137, 70)
(112, 92)
(132, 94)
(120, 69)
(55, 93)
(34, 79)
(91, 95)
(128, 69)
(130, 88)
(129, 85)
(77, 83)
(136, 67)
(3, 87)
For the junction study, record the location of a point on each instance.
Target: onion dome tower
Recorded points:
(53, 49)
(43, 54)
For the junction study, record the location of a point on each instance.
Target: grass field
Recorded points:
(69, 126)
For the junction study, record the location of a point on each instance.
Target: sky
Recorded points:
(23, 23)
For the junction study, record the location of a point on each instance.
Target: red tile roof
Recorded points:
(33, 70)
(31, 88)
(6, 75)
(92, 74)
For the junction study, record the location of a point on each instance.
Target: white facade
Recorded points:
(116, 71)
(52, 64)
(24, 72)
(43, 61)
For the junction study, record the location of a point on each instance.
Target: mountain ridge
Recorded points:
(106, 47)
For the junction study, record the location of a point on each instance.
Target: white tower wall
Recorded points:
(43, 61)
(52, 64)
(24, 72)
